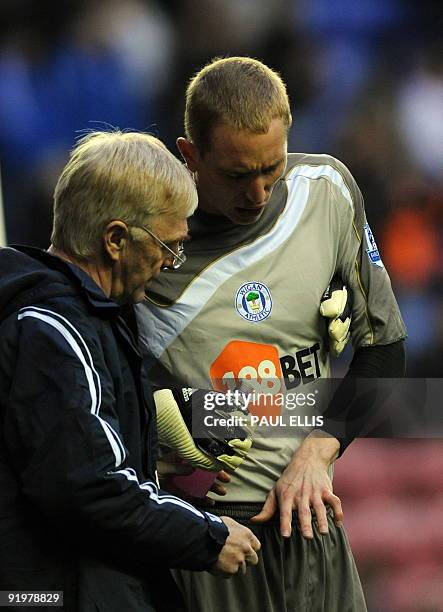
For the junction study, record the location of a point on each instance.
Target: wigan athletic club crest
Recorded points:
(372, 250)
(253, 301)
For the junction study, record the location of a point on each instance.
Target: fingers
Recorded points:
(223, 476)
(255, 542)
(320, 513)
(286, 506)
(251, 558)
(305, 520)
(339, 330)
(320, 509)
(335, 503)
(268, 510)
(239, 550)
(218, 488)
(335, 304)
(250, 552)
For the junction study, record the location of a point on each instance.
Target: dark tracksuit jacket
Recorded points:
(80, 509)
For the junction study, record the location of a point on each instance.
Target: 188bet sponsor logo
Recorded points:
(264, 370)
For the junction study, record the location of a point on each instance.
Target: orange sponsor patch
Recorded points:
(258, 365)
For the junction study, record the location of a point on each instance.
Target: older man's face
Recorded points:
(142, 260)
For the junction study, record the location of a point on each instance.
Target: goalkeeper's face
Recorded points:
(236, 176)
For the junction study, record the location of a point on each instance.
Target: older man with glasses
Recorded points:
(82, 516)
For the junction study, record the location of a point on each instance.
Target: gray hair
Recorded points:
(129, 176)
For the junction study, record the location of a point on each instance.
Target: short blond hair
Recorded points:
(239, 91)
(129, 176)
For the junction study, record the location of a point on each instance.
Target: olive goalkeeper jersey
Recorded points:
(245, 304)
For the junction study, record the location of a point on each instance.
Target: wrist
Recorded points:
(319, 446)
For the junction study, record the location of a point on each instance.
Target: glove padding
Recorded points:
(174, 426)
(336, 305)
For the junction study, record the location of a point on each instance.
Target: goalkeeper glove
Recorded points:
(335, 305)
(174, 426)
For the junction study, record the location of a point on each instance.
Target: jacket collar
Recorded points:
(90, 290)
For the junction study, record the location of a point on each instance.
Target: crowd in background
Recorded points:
(365, 79)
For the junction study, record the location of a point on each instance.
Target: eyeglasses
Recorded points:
(177, 257)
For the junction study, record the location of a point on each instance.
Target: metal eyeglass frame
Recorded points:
(178, 258)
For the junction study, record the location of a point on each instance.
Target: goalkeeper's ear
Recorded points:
(335, 305)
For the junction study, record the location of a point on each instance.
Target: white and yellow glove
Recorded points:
(174, 426)
(335, 305)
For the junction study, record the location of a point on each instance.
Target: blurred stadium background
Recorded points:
(365, 78)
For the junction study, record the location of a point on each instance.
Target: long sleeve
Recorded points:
(65, 441)
(352, 407)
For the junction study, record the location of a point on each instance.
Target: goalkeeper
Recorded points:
(271, 231)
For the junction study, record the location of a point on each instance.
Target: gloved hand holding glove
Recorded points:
(175, 412)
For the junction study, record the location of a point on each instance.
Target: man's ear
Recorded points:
(189, 152)
(115, 238)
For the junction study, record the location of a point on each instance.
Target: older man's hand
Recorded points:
(240, 550)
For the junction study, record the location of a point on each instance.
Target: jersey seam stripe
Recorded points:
(357, 267)
(360, 283)
(326, 177)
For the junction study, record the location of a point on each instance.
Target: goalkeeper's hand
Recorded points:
(174, 425)
(335, 305)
